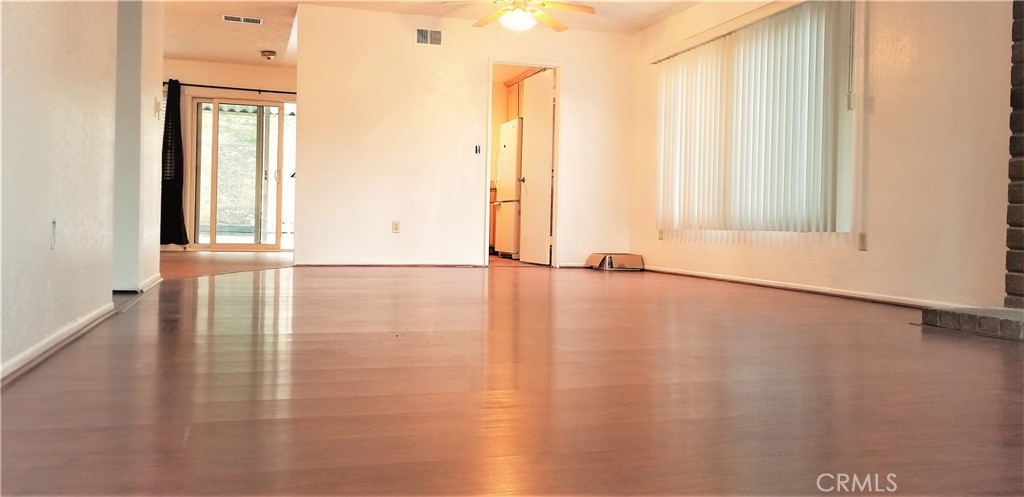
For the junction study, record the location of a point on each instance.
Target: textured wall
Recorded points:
(59, 80)
(138, 140)
(388, 134)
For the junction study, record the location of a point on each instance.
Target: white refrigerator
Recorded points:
(506, 232)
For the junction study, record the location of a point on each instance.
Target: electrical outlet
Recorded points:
(661, 234)
(394, 226)
(862, 242)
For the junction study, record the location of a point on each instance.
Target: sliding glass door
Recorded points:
(239, 148)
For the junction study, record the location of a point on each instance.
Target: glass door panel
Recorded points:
(288, 179)
(268, 221)
(204, 160)
(239, 176)
(238, 194)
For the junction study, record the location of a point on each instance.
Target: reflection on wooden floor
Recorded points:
(193, 263)
(469, 381)
(495, 261)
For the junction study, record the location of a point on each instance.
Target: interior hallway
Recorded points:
(419, 380)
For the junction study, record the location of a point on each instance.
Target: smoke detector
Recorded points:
(268, 54)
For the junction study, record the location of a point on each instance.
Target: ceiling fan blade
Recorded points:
(491, 18)
(586, 9)
(548, 21)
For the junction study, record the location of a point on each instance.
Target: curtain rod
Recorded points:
(257, 90)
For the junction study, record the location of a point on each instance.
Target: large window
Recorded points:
(755, 127)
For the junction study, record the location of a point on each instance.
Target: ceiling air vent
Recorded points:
(243, 20)
(428, 37)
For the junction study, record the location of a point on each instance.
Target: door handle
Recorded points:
(522, 179)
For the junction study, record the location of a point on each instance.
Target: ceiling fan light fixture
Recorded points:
(517, 19)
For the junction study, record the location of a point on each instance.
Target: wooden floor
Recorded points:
(495, 262)
(459, 381)
(194, 263)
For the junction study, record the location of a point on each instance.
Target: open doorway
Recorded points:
(245, 168)
(523, 110)
(240, 167)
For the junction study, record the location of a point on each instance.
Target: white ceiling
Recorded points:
(196, 30)
(616, 17)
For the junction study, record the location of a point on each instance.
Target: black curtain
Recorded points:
(172, 213)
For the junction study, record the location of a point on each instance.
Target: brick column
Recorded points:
(1015, 207)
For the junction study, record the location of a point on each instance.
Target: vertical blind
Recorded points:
(748, 126)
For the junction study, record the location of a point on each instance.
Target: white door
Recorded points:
(506, 233)
(538, 105)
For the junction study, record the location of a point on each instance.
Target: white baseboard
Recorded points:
(144, 286)
(873, 297)
(53, 342)
(150, 282)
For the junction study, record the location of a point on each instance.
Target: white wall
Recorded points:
(499, 114)
(387, 131)
(152, 142)
(59, 81)
(234, 75)
(1, 188)
(138, 131)
(934, 148)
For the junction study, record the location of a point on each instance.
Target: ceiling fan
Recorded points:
(520, 15)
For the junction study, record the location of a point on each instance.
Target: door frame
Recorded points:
(214, 163)
(190, 96)
(554, 152)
